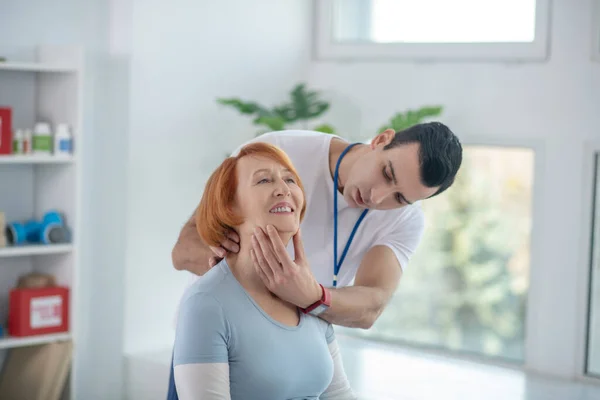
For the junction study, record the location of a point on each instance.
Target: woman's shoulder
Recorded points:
(213, 284)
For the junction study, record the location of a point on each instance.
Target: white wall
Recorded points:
(186, 54)
(553, 104)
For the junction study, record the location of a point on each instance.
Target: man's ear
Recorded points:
(383, 139)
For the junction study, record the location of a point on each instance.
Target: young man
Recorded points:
(386, 180)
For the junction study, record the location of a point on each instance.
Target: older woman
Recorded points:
(235, 339)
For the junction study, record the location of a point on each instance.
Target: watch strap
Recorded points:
(320, 305)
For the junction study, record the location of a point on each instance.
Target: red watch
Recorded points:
(319, 306)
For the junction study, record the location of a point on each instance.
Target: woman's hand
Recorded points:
(231, 243)
(290, 280)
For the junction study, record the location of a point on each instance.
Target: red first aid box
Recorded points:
(5, 131)
(38, 311)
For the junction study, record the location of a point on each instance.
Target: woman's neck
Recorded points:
(243, 268)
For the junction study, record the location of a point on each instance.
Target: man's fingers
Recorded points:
(233, 236)
(267, 250)
(278, 247)
(260, 259)
(213, 261)
(219, 251)
(263, 276)
(230, 245)
(298, 246)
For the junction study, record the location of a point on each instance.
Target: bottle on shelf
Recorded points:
(42, 139)
(18, 142)
(27, 141)
(63, 141)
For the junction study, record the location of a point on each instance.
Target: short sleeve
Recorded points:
(325, 328)
(202, 331)
(269, 137)
(403, 235)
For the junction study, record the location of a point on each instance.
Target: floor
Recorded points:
(380, 372)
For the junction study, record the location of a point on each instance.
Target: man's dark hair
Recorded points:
(440, 152)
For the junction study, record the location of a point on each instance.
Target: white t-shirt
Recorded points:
(399, 229)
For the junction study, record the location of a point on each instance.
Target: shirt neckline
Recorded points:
(227, 269)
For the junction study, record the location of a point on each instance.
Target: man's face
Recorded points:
(386, 179)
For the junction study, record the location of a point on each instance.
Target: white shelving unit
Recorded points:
(42, 84)
(12, 342)
(34, 159)
(33, 250)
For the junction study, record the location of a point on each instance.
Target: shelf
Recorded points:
(34, 250)
(7, 342)
(35, 159)
(35, 67)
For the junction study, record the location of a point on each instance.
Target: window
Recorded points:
(466, 286)
(593, 350)
(432, 29)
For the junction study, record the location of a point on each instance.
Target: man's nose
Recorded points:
(378, 195)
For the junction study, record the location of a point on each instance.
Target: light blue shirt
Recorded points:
(219, 322)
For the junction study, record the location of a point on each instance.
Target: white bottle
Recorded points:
(63, 141)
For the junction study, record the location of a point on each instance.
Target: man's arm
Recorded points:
(376, 280)
(358, 306)
(190, 253)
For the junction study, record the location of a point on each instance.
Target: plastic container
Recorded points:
(63, 141)
(18, 137)
(42, 139)
(27, 137)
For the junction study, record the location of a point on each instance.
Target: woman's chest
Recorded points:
(279, 364)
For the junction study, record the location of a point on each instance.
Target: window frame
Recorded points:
(596, 31)
(590, 152)
(327, 50)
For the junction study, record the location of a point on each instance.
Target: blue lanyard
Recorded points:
(336, 265)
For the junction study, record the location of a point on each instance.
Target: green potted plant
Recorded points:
(304, 106)
(406, 119)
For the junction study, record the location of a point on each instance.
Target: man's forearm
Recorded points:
(190, 253)
(355, 306)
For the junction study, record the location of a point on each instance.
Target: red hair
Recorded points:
(215, 216)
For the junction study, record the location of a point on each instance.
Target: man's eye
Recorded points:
(264, 180)
(291, 180)
(386, 176)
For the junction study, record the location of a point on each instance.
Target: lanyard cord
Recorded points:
(336, 265)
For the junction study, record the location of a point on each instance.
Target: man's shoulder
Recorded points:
(289, 140)
(400, 219)
(293, 140)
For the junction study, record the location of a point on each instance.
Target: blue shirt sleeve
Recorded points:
(202, 331)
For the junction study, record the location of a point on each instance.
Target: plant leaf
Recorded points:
(245, 107)
(404, 120)
(274, 123)
(325, 128)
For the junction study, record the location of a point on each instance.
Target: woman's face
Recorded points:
(267, 194)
